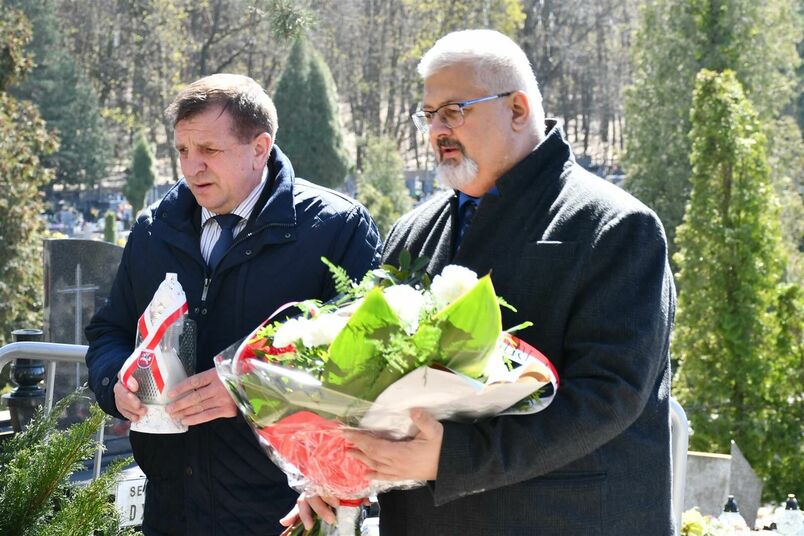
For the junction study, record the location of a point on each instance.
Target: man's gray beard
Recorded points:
(456, 176)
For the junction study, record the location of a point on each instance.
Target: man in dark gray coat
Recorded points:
(587, 264)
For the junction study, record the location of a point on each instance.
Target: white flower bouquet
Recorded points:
(391, 343)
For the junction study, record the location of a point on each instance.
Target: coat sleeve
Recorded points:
(615, 350)
(111, 334)
(357, 246)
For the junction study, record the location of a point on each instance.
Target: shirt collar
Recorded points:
(465, 198)
(245, 207)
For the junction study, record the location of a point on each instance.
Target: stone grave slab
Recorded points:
(78, 278)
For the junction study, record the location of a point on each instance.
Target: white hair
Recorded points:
(498, 63)
(457, 176)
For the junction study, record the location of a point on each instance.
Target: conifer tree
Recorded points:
(109, 231)
(728, 337)
(66, 100)
(309, 125)
(36, 495)
(674, 41)
(23, 139)
(142, 175)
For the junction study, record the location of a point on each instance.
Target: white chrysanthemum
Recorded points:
(453, 282)
(290, 332)
(407, 303)
(322, 330)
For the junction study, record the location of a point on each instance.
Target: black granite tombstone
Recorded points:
(78, 277)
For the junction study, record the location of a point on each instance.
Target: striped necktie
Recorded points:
(227, 223)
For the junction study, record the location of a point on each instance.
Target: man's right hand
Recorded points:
(306, 507)
(127, 402)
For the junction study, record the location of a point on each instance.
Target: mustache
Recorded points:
(446, 143)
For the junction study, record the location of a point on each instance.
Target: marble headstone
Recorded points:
(78, 277)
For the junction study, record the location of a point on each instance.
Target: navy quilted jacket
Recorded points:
(216, 479)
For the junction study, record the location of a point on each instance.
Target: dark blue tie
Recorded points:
(467, 213)
(227, 223)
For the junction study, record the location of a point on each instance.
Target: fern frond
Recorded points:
(343, 283)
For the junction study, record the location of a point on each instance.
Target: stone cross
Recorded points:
(78, 291)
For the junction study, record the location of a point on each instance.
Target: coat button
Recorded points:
(196, 310)
(105, 381)
(287, 235)
(248, 252)
(204, 311)
(188, 471)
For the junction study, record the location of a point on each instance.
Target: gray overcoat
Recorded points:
(587, 264)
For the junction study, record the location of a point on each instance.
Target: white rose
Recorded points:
(322, 330)
(290, 332)
(453, 282)
(407, 303)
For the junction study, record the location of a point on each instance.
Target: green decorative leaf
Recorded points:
(470, 328)
(355, 362)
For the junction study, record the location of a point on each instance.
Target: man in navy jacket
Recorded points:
(216, 479)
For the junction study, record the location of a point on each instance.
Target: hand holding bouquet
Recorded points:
(394, 342)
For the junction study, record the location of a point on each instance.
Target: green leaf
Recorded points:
(519, 327)
(419, 264)
(355, 362)
(470, 328)
(404, 260)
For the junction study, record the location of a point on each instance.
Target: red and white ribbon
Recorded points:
(522, 353)
(147, 354)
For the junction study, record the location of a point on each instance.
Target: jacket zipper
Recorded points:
(208, 279)
(206, 288)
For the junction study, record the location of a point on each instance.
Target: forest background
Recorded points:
(625, 77)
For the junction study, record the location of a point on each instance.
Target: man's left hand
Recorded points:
(413, 459)
(207, 399)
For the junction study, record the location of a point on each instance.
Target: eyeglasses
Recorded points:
(450, 114)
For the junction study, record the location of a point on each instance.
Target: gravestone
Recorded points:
(711, 478)
(707, 484)
(78, 278)
(745, 484)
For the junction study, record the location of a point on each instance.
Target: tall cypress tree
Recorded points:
(309, 125)
(23, 139)
(727, 335)
(675, 40)
(142, 175)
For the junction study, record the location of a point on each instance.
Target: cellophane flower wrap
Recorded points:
(393, 342)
